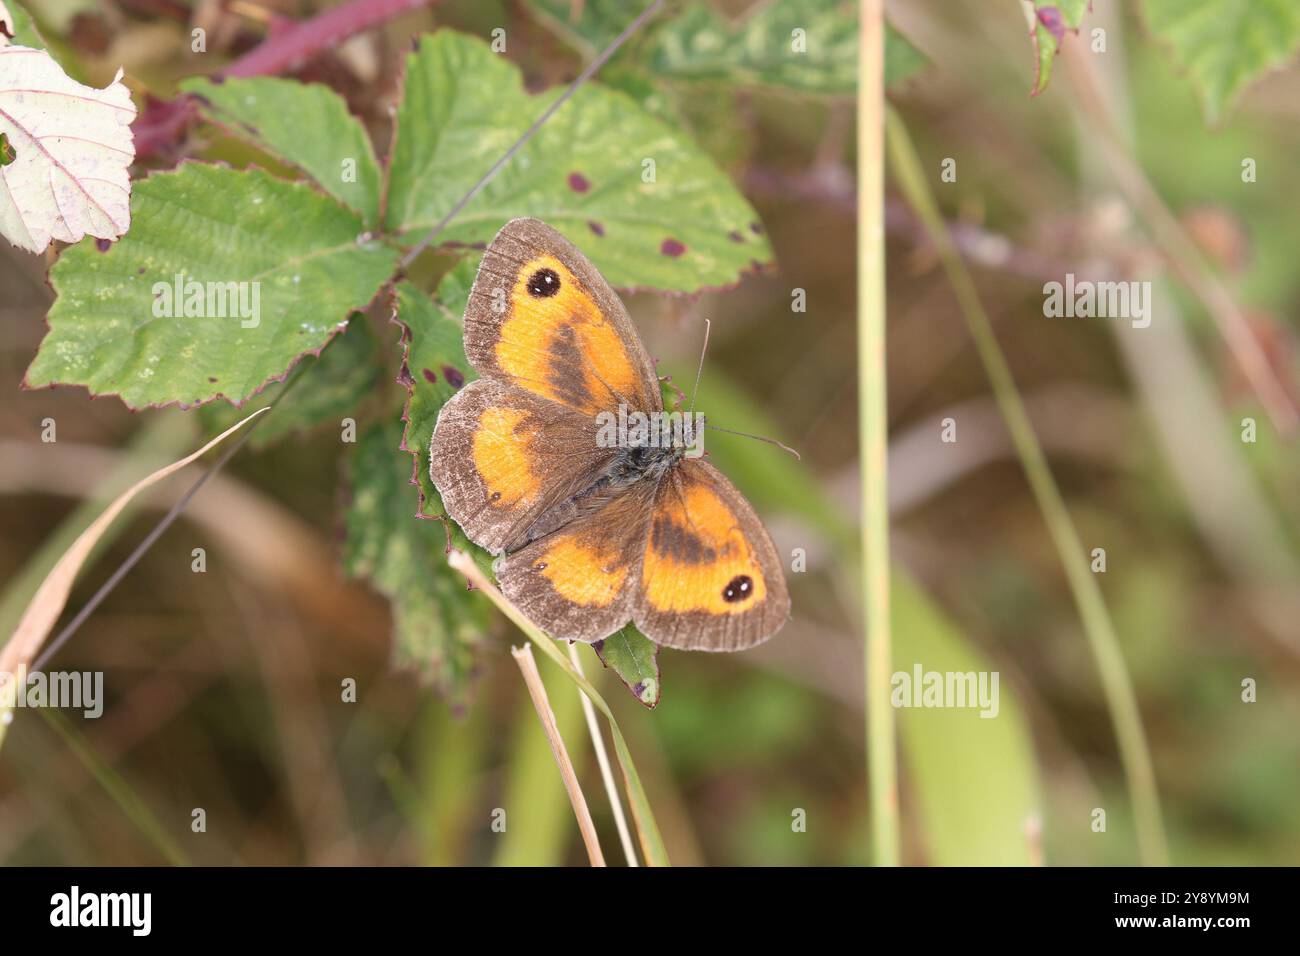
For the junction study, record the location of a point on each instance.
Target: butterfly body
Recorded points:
(591, 534)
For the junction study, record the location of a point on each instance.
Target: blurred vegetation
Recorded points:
(224, 688)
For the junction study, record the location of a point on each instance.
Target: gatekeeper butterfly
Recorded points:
(590, 536)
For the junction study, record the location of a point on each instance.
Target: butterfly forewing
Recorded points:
(541, 318)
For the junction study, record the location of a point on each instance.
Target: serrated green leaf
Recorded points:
(1226, 44)
(334, 385)
(306, 125)
(806, 46)
(452, 294)
(756, 51)
(436, 621)
(293, 253)
(635, 659)
(433, 369)
(589, 26)
(1051, 19)
(464, 106)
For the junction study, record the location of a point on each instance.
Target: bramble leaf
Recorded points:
(635, 659)
(304, 124)
(336, 383)
(805, 46)
(433, 370)
(268, 272)
(645, 204)
(1051, 19)
(590, 26)
(756, 50)
(1226, 44)
(437, 621)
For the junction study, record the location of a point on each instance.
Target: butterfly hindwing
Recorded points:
(579, 582)
(543, 319)
(502, 457)
(710, 576)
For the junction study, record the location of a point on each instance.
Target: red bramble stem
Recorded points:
(296, 45)
(162, 124)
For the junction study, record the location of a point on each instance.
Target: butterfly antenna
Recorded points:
(700, 371)
(770, 441)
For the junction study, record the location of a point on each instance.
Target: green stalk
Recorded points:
(652, 845)
(118, 790)
(1097, 625)
(873, 435)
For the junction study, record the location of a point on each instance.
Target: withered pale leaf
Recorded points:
(64, 172)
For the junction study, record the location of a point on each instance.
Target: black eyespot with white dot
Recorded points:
(543, 284)
(739, 588)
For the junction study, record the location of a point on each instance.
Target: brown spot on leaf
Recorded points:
(578, 183)
(103, 245)
(596, 227)
(755, 228)
(453, 376)
(735, 236)
(672, 247)
(428, 375)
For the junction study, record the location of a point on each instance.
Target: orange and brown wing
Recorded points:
(579, 582)
(710, 577)
(503, 458)
(541, 318)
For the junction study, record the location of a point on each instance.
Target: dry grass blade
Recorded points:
(602, 760)
(652, 845)
(52, 596)
(537, 691)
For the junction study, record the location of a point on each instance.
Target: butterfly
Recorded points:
(590, 534)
